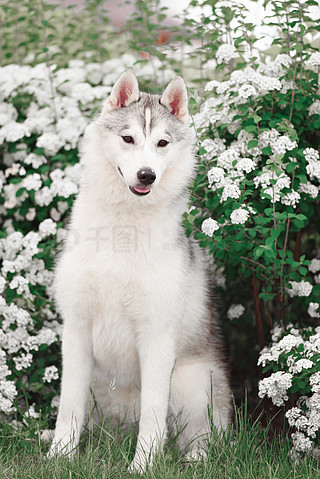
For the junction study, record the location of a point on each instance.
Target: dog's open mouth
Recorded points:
(140, 191)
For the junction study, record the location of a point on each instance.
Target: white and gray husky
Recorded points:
(132, 289)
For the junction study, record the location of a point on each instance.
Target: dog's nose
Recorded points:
(146, 176)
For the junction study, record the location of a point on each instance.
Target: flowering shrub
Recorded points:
(43, 115)
(255, 198)
(294, 358)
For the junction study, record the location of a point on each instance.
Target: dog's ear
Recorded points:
(175, 98)
(124, 92)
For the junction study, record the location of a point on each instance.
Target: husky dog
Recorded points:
(132, 289)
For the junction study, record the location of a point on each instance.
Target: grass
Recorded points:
(105, 453)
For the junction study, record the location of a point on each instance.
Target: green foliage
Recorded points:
(33, 31)
(247, 452)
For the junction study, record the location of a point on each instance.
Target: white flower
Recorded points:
(246, 164)
(31, 412)
(13, 170)
(8, 392)
(2, 284)
(311, 154)
(309, 189)
(50, 142)
(55, 215)
(227, 157)
(314, 266)
(291, 199)
(299, 365)
(83, 92)
(47, 228)
(31, 214)
(264, 179)
(292, 415)
(70, 131)
(215, 175)
(213, 147)
(13, 132)
(50, 374)
(32, 182)
(239, 216)
(231, 190)
(268, 355)
(289, 342)
(211, 85)
(44, 196)
(275, 387)
(235, 311)
(313, 310)
(55, 402)
(314, 109)
(23, 362)
(245, 91)
(314, 60)
(313, 170)
(21, 284)
(8, 113)
(267, 137)
(301, 443)
(275, 68)
(225, 53)
(62, 206)
(302, 288)
(34, 160)
(283, 143)
(315, 382)
(14, 242)
(209, 226)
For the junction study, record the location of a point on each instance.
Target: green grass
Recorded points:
(245, 453)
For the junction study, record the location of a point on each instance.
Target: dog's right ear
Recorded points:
(124, 92)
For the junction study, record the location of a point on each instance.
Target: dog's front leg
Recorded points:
(157, 357)
(75, 387)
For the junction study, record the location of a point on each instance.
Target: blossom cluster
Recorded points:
(294, 356)
(23, 275)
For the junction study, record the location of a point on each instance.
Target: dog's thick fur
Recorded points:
(132, 289)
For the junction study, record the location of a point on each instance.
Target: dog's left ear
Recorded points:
(124, 92)
(175, 98)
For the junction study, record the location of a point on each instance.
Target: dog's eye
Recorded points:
(163, 143)
(128, 139)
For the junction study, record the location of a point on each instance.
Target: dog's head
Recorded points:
(145, 135)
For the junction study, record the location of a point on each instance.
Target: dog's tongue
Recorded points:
(142, 190)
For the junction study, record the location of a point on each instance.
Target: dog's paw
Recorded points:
(138, 465)
(196, 454)
(61, 448)
(46, 435)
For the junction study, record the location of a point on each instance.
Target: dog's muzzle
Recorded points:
(145, 176)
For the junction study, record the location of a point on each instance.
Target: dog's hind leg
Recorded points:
(200, 395)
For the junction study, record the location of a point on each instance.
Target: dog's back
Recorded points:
(132, 289)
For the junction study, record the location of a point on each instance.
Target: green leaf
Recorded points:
(267, 150)
(20, 192)
(257, 118)
(252, 144)
(266, 296)
(303, 270)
